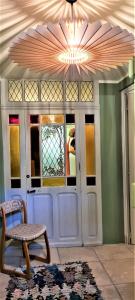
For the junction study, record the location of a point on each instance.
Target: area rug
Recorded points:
(70, 281)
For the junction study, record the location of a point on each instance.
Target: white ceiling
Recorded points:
(17, 16)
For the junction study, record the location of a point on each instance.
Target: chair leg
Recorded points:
(48, 256)
(27, 257)
(46, 259)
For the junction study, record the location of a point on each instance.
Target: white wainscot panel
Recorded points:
(43, 211)
(92, 214)
(68, 215)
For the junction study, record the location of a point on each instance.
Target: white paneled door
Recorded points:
(52, 160)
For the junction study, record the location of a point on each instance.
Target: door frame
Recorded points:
(88, 107)
(125, 163)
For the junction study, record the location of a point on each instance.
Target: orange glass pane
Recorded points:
(90, 149)
(52, 119)
(53, 181)
(14, 150)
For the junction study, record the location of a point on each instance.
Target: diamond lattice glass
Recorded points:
(87, 91)
(15, 90)
(31, 90)
(52, 147)
(71, 91)
(51, 91)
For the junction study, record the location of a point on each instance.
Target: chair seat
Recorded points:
(26, 232)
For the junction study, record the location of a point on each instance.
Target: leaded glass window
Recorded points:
(72, 91)
(53, 154)
(31, 91)
(15, 90)
(52, 145)
(50, 91)
(87, 91)
(14, 148)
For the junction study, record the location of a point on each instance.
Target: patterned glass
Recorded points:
(15, 90)
(72, 91)
(31, 91)
(51, 91)
(52, 148)
(87, 91)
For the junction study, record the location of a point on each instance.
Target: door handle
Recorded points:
(31, 191)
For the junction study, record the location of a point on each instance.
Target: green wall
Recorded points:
(111, 164)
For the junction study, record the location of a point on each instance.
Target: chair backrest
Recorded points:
(11, 206)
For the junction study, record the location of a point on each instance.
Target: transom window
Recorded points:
(50, 91)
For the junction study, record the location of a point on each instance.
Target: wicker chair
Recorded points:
(25, 233)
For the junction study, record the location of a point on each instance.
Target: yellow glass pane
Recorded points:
(52, 119)
(90, 149)
(53, 181)
(15, 150)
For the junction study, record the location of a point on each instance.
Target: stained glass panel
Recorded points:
(31, 91)
(52, 119)
(51, 91)
(90, 149)
(15, 90)
(55, 181)
(14, 150)
(70, 150)
(35, 156)
(86, 91)
(14, 119)
(72, 91)
(52, 148)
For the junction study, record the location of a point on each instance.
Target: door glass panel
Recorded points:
(70, 150)
(14, 131)
(52, 119)
(35, 182)
(57, 181)
(52, 146)
(91, 180)
(52, 149)
(71, 181)
(34, 119)
(90, 144)
(35, 157)
(15, 183)
(14, 119)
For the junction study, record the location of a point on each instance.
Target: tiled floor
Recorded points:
(113, 266)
